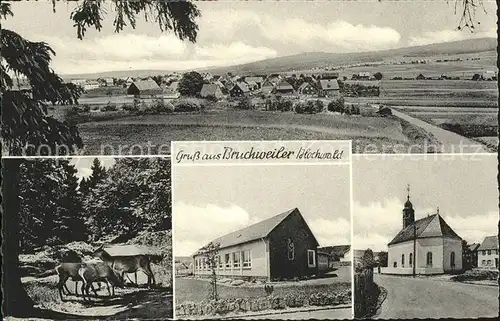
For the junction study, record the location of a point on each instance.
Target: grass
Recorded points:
(159, 130)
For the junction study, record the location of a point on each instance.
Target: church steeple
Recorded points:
(408, 212)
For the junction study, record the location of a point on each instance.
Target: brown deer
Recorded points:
(98, 272)
(127, 264)
(67, 271)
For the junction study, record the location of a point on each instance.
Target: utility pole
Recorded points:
(414, 247)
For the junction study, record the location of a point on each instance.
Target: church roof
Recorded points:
(430, 226)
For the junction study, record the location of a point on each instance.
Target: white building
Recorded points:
(487, 253)
(428, 243)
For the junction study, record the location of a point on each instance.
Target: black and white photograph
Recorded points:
(262, 241)
(425, 236)
(87, 238)
(98, 78)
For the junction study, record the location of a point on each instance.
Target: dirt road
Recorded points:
(409, 298)
(450, 142)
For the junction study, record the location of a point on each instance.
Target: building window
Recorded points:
(247, 258)
(311, 258)
(483, 262)
(197, 264)
(236, 259)
(227, 260)
(489, 252)
(452, 259)
(488, 262)
(395, 264)
(402, 260)
(411, 259)
(291, 250)
(429, 259)
(484, 252)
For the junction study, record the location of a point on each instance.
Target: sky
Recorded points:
(463, 187)
(211, 201)
(235, 32)
(83, 164)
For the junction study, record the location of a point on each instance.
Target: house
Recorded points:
(79, 82)
(252, 85)
(329, 88)
(420, 77)
(172, 90)
(183, 265)
(425, 246)
(142, 88)
(91, 84)
(239, 90)
(489, 75)
(306, 89)
(257, 80)
(487, 253)
(211, 91)
(267, 87)
(105, 82)
(129, 80)
(338, 252)
(281, 247)
(470, 256)
(284, 88)
(363, 75)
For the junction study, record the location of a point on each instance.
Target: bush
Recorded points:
(110, 107)
(130, 108)
(245, 103)
(85, 108)
(476, 275)
(319, 106)
(160, 106)
(189, 105)
(337, 105)
(284, 105)
(300, 108)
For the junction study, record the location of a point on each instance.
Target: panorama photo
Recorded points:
(394, 77)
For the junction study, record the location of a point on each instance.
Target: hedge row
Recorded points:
(272, 302)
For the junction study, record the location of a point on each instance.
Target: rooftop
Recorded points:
(430, 226)
(489, 243)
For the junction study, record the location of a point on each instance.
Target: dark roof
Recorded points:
(284, 85)
(489, 243)
(473, 247)
(130, 250)
(253, 232)
(209, 90)
(146, 85)
(337, 250)
(329, 84)
(430, 226)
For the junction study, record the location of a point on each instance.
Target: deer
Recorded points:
(69, 270)
(98, 272)
(127, 264)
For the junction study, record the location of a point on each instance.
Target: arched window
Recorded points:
(291, 250)
(429, 259)
(452, 259)
(411, 259)
(402, 260)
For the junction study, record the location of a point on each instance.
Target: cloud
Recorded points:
(136, 52)
(195, 226)
(331, 231)
(338, 35)
(376, 223)
(431, 37)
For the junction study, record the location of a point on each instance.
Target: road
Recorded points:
(451, 142)
(433, 298)
(318, 315)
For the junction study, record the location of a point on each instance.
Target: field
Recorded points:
(156, 131)
(189, 289)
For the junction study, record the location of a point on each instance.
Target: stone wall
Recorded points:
(271, 302)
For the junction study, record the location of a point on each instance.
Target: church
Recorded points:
(424, 246)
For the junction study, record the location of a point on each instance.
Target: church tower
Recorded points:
(408, 211)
